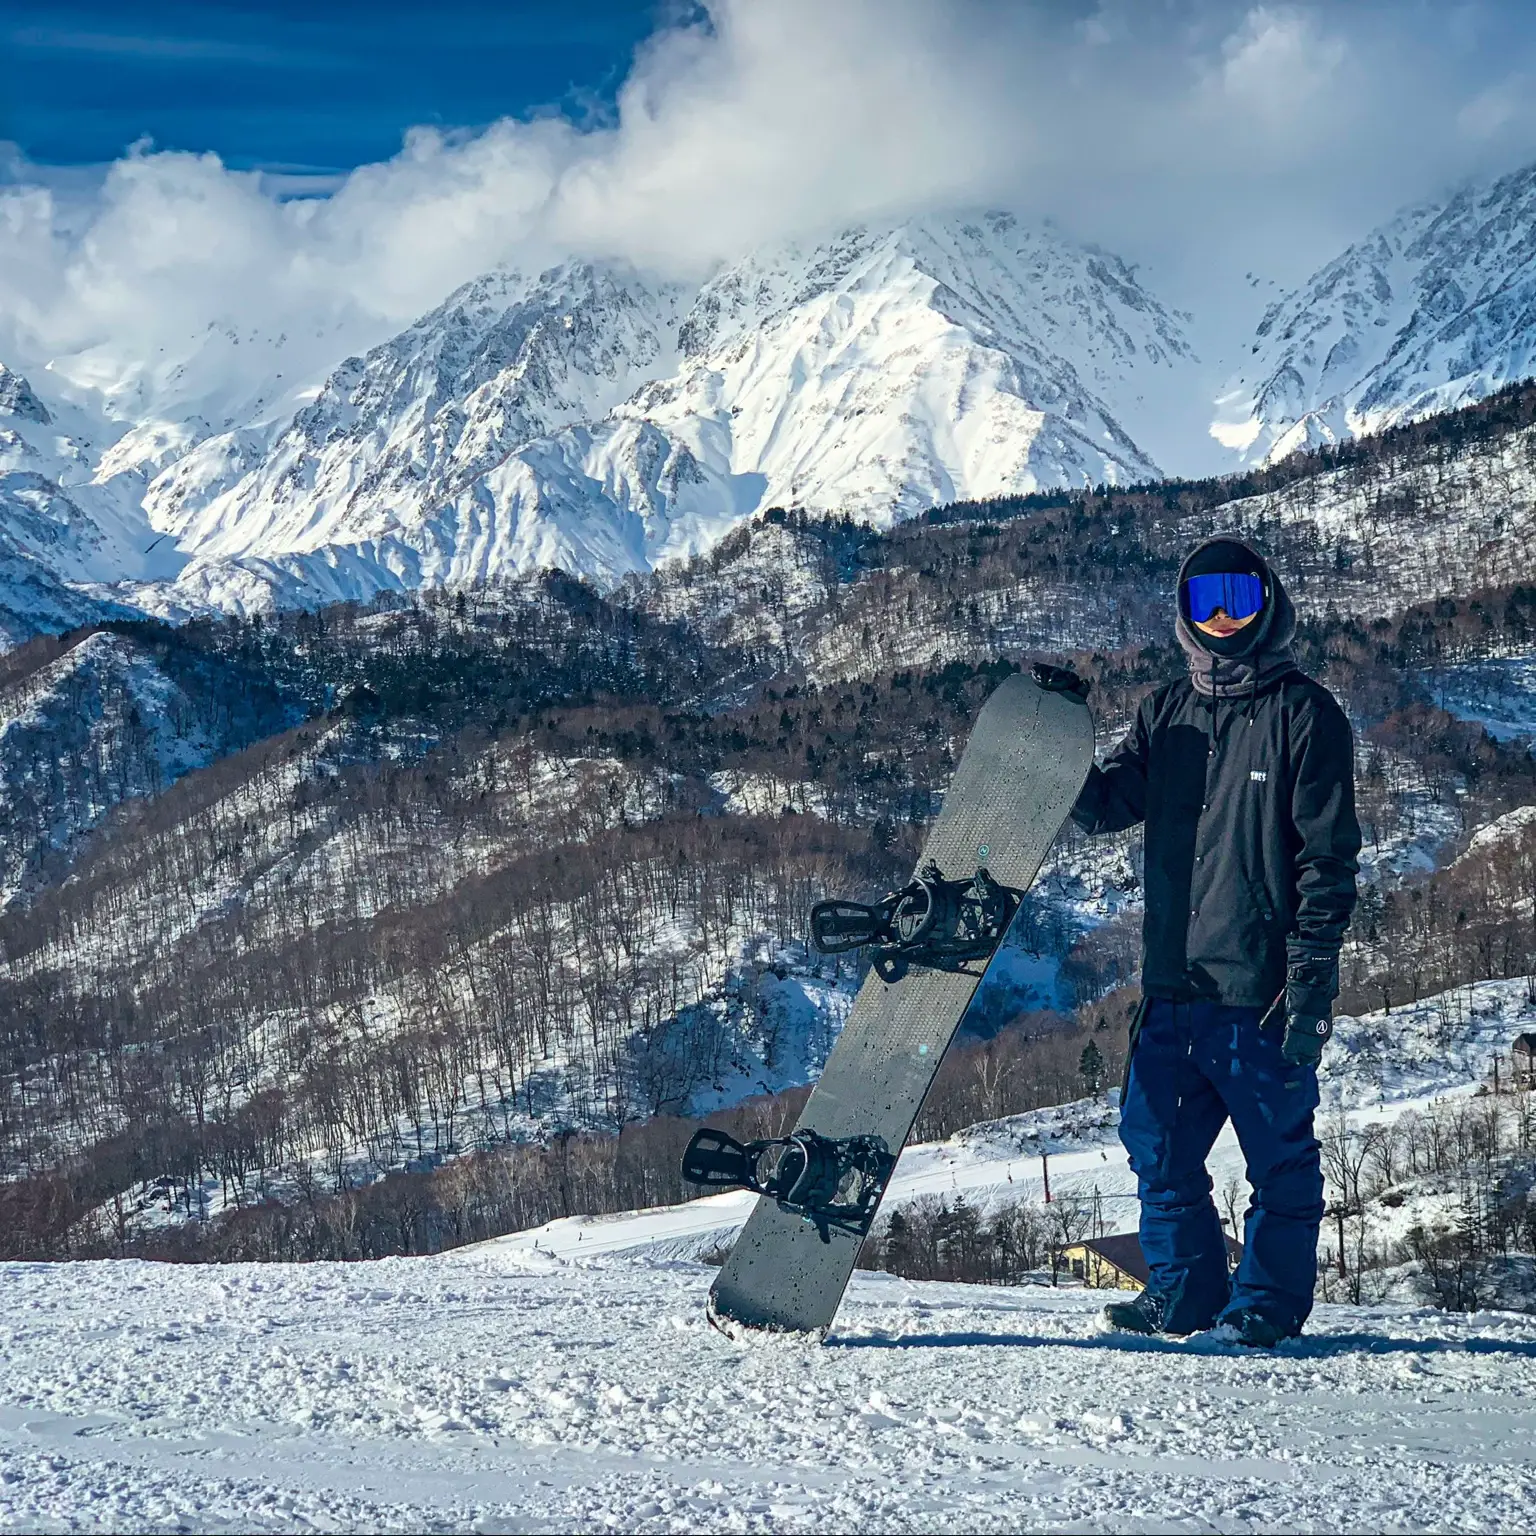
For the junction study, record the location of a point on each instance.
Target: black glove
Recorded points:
(1059, 679)
(1311, 984)
(1304, 1039)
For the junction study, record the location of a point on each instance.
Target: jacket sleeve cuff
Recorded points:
(1300, 951)
(1311, 977)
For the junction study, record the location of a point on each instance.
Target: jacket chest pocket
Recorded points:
(1247, 774)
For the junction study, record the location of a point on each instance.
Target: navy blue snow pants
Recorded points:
(1194, 1066)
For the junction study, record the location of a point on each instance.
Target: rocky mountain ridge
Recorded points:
(597, 420)
(1432, 310)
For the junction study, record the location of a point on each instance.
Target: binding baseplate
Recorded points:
(946, 925)
(830, 1182)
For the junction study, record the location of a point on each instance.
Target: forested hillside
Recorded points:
(298, 902)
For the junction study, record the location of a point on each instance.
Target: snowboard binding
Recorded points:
(831, 1183)
(945, 925)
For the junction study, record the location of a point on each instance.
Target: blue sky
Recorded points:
(322, 84)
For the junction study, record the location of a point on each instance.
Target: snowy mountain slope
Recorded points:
(596, 419)
(589, 419)
(102, 423)
(1510, 828)
(156, 395)
(33, 600)
(1499, 694)
(110, 719)
(1402, 529)
(337, 845)
(67, 519)
(68, 497)
(1403, 523)
(891, 370)
(1442, 1044)
(392, 457)
(1434, 309)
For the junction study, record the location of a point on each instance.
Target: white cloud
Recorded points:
(1277, 66)
(1200, 137)
(1505, 106)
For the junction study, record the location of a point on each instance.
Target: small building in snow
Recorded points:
(1522, 1058)
(1115, 1262)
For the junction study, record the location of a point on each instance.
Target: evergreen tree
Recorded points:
(1091, 1065)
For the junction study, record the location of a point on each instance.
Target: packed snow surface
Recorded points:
(490, 1391)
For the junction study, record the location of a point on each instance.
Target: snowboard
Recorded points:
(1025, 762)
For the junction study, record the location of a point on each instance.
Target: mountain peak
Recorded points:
(1434, 309)
(18, 399)
(594, 417)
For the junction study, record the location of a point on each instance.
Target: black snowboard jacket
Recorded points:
(1251, 836)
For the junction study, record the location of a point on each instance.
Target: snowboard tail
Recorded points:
(930, 943)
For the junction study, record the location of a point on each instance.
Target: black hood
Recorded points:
(1254, 655)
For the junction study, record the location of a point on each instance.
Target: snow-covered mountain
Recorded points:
(405, 470)
(112, 717)
(592, 419)
(890, 370)
(70, 518)
(597, 419)
(1434, 309)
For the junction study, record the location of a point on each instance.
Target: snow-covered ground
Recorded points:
(565, 1378)
(1499, 694)
(492, 1391)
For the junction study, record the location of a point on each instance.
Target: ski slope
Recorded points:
(565, 1379)
(495, 1390)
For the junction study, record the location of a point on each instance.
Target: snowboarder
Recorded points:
(1243, 774)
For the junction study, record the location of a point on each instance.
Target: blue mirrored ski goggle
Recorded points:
(1238, 594)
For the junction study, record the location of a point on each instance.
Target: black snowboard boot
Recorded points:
(1143, 1315)
(1253, 1329)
